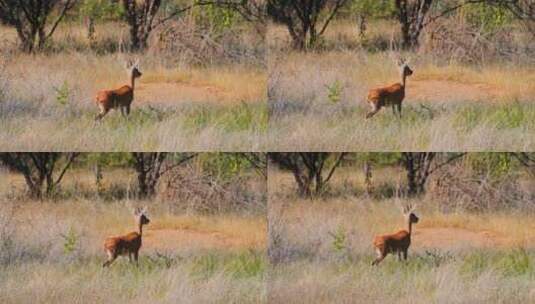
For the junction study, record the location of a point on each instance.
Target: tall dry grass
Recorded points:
(321, 249)
(318, 99)
(53, 253)
(52, 250)
(47, 101)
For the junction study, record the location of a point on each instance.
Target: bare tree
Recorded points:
(411, 16)
(150, 167)
(31, 17)
(308, 169)
(141, 15)
(414, 15)
(306, 20)
(39, 169)
(420, 165)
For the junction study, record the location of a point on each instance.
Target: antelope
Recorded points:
(128, 244)
(398, 242)
(390, 95)
(119, 98)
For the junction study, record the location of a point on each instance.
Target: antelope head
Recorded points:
(408, 212)
(141, 217)
(133, 69)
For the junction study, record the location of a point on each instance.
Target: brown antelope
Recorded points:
(390, 95)
(119, 98)
(128, 244)
(398, 242)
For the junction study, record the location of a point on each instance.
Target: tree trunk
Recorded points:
(303, 185)
(298, 38)
(411, 17)
(368, 178)
(143, 188)
(140, 17)
(418, 167)
(26, 44)
(34, 187)
(362, 26)
(134, 29)
(149, 170)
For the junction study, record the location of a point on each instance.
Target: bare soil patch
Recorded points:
(449, 91)
(173, 93)
(175, 239)
(448, 238)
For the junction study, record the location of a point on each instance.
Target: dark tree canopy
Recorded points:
(31, 19)
(420, 165)
(306, 20)
(308, 169)
(414, 15)
(141, 15)
(150, 167)
(40, 170)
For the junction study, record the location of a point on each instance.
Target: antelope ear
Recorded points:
(136, 211)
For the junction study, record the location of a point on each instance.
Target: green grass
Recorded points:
(493, 276)
(503, 117)
(210, 277)
(515, 262)
(242, 117)
(470, 126)
(191, 127)
(242, 265)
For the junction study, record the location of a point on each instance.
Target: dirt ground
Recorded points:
(169, 94)
(447, 238)
(173, 239)
(449, 91)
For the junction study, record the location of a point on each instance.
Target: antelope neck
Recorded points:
(132, 80)
(140, 228)
(403, 78)
(410, 226)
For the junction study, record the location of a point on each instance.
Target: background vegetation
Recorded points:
(468, 93)
(205, 243)
(203, 83)
(473, 242)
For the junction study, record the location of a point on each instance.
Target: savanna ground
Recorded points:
(52, 251)
(197, 92)
(322, 250)
(464, 95)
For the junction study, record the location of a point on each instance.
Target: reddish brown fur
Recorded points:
(398, 242)
(128, 244)
(392, 95)
(119, 98)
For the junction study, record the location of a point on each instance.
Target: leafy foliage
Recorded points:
(489, 18)
(63, 93)
(495, 165)
(70, 241)
(216, 17)
(334, 91)
(101, 10)
(373, 8)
